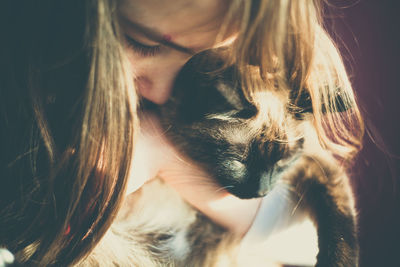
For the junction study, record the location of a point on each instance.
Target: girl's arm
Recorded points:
(155, 156)
(267, 223)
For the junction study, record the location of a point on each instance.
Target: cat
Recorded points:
(247, 149)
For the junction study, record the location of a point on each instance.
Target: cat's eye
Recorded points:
(142, 49)
(236, 166)
(246, 113)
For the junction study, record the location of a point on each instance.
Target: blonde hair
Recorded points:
(288, 44)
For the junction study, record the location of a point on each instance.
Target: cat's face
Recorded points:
(211, 121)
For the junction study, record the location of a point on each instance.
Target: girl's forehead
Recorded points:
(176, 18)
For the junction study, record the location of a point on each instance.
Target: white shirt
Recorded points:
(282, 230)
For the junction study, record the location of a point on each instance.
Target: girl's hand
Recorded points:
(154, 155)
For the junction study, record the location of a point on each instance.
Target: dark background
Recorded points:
(368, 35)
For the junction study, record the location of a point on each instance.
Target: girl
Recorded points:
(72, 74)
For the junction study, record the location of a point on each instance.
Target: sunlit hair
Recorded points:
(67, 121)
(287, 43)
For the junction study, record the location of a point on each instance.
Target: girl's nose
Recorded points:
(156, 86)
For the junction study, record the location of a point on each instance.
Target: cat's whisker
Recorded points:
(191, 180)
(190, 183)
(298, 203)
(166, 130)
(224, 188)
(319, 165)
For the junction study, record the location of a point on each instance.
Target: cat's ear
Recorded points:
(300, 103)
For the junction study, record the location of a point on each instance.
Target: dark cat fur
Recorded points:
(212, 122)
